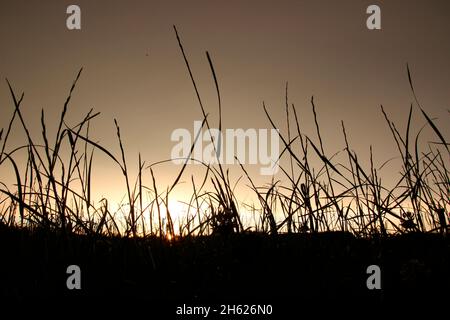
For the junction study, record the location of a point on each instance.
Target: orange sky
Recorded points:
(134, 71)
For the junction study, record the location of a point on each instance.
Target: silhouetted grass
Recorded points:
(310, 202)
(51, 201)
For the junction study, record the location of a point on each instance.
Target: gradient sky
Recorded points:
(134, 71)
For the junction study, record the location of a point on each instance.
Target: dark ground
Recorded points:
(297, 274)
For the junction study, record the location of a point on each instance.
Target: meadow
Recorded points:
(313, 235)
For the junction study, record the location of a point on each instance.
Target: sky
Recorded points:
(133, 71)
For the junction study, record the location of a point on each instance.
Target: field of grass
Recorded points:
(312, 239)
